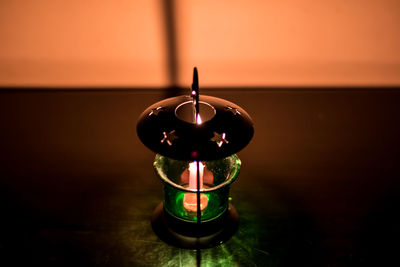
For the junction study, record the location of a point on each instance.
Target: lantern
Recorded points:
(195, 138)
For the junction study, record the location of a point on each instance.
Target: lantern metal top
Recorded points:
(195, 127)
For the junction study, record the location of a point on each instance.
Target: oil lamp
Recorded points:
(195, 138)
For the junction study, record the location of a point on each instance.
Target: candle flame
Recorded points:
(190, 199)
(198, 120)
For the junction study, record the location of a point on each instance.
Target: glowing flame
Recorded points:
(193, 175)
(198, 120)
(190, 199)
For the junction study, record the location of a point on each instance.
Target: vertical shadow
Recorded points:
(198, 257)
(172, 53)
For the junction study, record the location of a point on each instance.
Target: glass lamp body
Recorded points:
(217, 175)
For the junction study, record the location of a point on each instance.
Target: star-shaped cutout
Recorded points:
(219, 139)
(169, 137)
(234, 111)
(155, 111)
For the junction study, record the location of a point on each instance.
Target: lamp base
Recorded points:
(190, 235)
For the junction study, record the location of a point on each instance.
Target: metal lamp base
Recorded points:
(191, 235)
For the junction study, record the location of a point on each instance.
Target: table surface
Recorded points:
(319, 184)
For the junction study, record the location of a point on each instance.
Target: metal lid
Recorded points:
(195, 127)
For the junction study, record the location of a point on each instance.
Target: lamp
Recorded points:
(195, 138)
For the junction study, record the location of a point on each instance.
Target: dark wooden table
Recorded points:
(319, 184)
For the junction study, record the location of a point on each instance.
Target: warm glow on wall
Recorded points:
(288, 42)
(234, 42)
(82, 43)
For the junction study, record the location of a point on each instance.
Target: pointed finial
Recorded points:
(195, 94)
(195, 84)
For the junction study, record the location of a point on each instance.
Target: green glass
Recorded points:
(217, 177)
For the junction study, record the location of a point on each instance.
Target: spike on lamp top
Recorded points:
(195, 127)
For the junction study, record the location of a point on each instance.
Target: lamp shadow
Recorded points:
(198, 257)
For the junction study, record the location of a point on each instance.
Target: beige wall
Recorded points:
(233, 42)
(81, 42)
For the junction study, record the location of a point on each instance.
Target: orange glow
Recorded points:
(190, 199)
(75, 43)
(190, 202)
(240, 43)
(289, 43)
